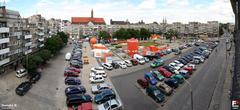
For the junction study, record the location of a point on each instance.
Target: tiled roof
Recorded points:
(86, 20)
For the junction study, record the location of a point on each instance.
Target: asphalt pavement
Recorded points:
(206, 82)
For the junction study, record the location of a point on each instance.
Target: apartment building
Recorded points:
(54, 26)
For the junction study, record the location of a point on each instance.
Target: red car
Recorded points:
(71, 74)
(73, 69)
(189, 69)
(70, 71)
(143, 83)
(165, 72)
(134, 62)
(85, 106)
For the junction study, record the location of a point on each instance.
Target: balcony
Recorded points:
(28, 44)
(28, 51)
(16, 34)
(41, 45)
(4, 61)
(40, 33)
(4, 51)
(4, 40)
(28, 36)
(4, 30)
(41, 39)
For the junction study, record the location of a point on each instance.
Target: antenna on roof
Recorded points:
(4, 3)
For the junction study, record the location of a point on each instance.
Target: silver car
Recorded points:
(100, 87)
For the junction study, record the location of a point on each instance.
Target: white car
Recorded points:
(174, 65)
(96, 79)
(107, 66)
(122, 64)
(192, 65)
(21, 73)
(178, 63)
(113, 104)
(94, 69)
(98, 88)
(128, 63)
(100, 72)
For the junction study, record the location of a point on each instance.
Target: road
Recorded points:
(47, 93)
(207, 85)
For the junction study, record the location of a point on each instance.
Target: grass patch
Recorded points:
(147, 43)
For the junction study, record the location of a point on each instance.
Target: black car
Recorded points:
(72, 81)
(77, 99)
(35, 77)
(115, 65)
(172, 83)
(151, 57)
(185, 59)
(75, 90)
(182, 61)
(23, 88)
(156, 94)
(104, 96)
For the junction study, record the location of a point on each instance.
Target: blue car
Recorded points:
(72, 81)
(75, 90)
(104, 96)
(184, 73)
(172, 83)
(150, 78)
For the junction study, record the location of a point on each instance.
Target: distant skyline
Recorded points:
(133, 10)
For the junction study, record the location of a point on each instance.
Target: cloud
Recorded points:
(147, 10)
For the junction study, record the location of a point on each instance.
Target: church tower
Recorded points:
(92, 13)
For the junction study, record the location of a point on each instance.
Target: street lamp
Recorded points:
(191, 92)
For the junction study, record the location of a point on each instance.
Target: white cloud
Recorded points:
(147, 10)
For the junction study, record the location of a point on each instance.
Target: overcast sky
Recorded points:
(133, 10)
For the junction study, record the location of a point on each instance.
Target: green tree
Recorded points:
(37, 59)
(144, 33)
(54, 44)
(45, 54)
(104, 35)
(63, 36)
(170, 34)
(31, 66)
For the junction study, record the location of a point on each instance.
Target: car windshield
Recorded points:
(156, 92)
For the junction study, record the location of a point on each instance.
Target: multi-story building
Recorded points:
(212, 28)
(54, 26)
(86, 26)
(28, 45)
(39, 30)
(11, 42)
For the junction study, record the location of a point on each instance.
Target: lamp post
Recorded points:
(191, 92)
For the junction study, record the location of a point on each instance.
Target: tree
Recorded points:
(54, 44)
(144, 33)
(31, 66)
(37, 59)
(63, 36)
(170, 33)
(45, 54)
(104, 35)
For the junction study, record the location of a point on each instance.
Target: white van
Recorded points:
(99, 72)
(68, 56)
(140, 59)
(21, 73)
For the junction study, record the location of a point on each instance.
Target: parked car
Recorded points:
(184, 73)
(75, 90)
(148, 76)
(182, 61)
(104, 96)
(100, 72)
(96, 79)
(192, 65)
(178, 63)
(128, 63)
(156, 94)
(174, 65)
(140, 59)
(134, 62)
(146, 59)
(23, 88)
(122, 64)
(76, 63)
(78, 99)
(115, 65)
(72, 81)
(158, 75)
(189, 69)
(35, 77)
(157, 63)
(178, 77)
(173, 83)
(143, 83)
(71, 74)
(164, 88)
(68, 56)
(107, 66)
(93, 69)
(112, 104)
(70, 71)
(21, 73)
(96, 89)
(164, 72)
(170, 69)
(85, 106)
(73, 69)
